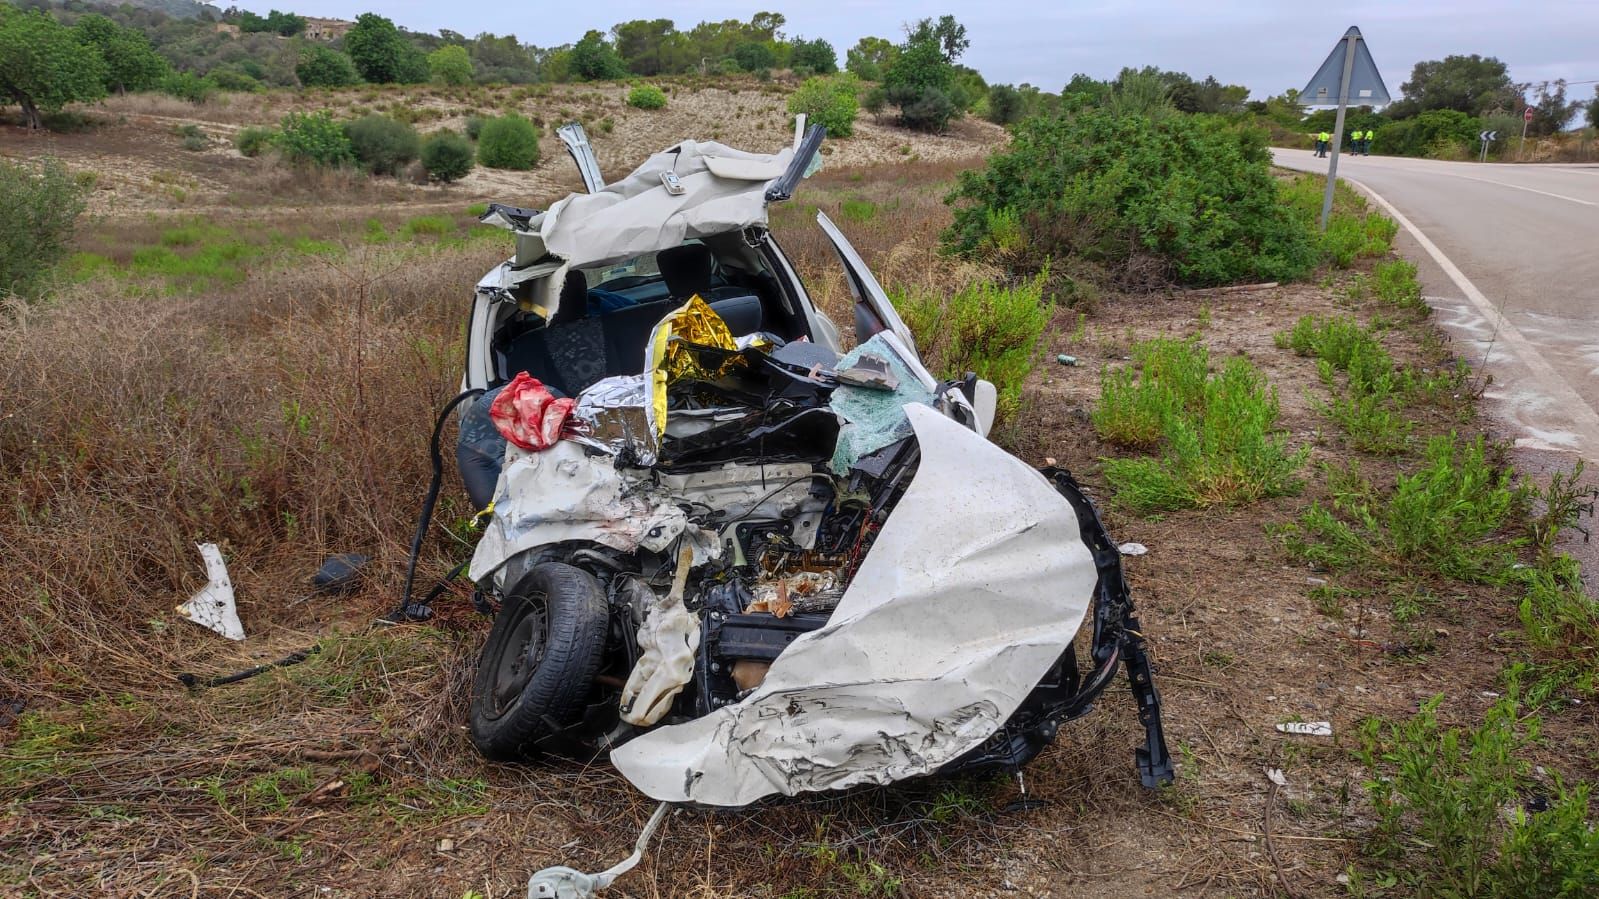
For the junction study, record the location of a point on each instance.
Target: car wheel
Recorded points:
(539, 662)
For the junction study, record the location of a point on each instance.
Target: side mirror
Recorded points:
(985, 402)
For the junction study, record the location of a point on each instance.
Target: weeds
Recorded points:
(1394, 282)
(1216, 432)
(1446, 518)
(987, 328)
(1441, 796)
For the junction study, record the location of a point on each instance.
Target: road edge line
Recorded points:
(1585, 424)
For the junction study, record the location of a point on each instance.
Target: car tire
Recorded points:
(538, 664)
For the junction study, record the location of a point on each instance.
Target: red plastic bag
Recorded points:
(528, 415)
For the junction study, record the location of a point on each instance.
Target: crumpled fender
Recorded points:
(975, 585)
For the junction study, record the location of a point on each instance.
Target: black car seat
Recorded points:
(687, 270)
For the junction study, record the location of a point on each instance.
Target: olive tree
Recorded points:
(43, 67)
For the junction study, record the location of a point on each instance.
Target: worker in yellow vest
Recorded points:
(1323, 141)
(1365, 147)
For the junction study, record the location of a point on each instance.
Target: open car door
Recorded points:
(873, 311)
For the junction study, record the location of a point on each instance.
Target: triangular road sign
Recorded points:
(1365, 84)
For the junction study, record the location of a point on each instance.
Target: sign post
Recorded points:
(1487, 137)
(1526, 118)
(1348, 67)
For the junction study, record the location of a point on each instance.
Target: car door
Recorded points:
(874, 312)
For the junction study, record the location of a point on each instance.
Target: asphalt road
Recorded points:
(1509, 256)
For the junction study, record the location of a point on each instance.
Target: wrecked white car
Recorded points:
(736, 558)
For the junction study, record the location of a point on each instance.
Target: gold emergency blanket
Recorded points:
(670, 357)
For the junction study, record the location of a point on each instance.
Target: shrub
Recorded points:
(314, 137)
(451, 65)
(508, 142)
(1451, 818)
(921, 81)
(1194, 193)
(1004, 104)
(1353, 231)
(474, 127)
(990, 329)
(326, 67)
(1443, 519)
(1394, 282)
(253, 140)
(646, 96)
(39, 205)
(227, 79)
(447, 156)
(382, 144)
(1217, 433)
(829, 102)
(187, 86)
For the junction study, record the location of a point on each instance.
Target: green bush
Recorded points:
(1353, 231)
(253, 140)
(1444, 519)
(1451, 817)
(508, 142)
(1192, 194)
(447, 156)
(830, 102)
(187, 86)
(1394, 282)
(315, 138)
(1217, 433)
(1005, 104)
(382, 144)
(1447, 133)
(474, 127)
(990, 329)
(326, 67)
(39, 205)
(646, 96)
(229, 79)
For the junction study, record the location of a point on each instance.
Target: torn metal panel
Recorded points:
(723, 190)
(213, 605)
(973, 588)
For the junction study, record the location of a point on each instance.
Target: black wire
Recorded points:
(426, 519)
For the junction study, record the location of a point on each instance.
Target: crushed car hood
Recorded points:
(976, 584)
(723, 190)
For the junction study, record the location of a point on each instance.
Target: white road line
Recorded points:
(1530, 190)
(1584, 422)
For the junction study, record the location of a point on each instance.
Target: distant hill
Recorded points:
(178, 9)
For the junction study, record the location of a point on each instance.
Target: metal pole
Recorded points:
(1338, 129)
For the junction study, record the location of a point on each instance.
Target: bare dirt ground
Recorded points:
(286, 417)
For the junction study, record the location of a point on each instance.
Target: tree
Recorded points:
(1470, 84)
(1593, 110)
(949, 34)
(1004, 104)
(767, 26)
(828, 101)
(922, 79)
(643, 44)
(42, 65)
(816, 55)
(755, 56)
(593, 59)
(326, 67)
(870, 57)
(131, 63)
(382, 54)
(450, 65)
(1550, 109)
(285, 24)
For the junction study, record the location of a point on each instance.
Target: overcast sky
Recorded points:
(1268, 46)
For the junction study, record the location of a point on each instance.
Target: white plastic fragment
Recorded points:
(1132, 549)
(1275, 775)
(213, 607)
(667, 641)
(561, 882)
(1307, 728)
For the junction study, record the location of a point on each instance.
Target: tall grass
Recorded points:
(987, 328)
(1216, 433)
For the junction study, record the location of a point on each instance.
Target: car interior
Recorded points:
(604, 316)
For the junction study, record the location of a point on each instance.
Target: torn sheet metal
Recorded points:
(724, 190)
(564, 494)
(974, 587)
(874, 417)
(213, 605)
